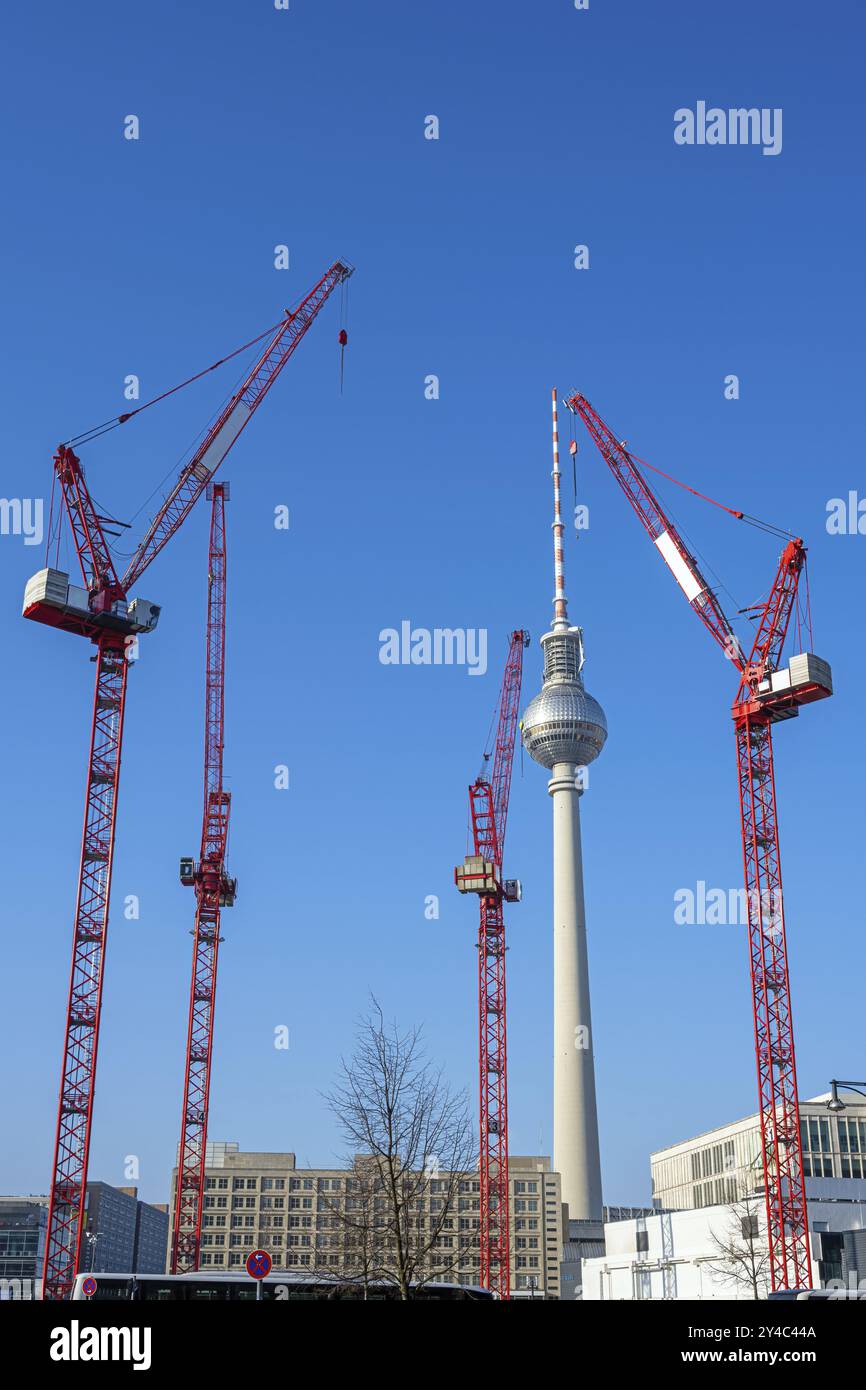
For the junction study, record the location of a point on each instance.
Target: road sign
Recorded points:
(88, 1288)
(259, 1263)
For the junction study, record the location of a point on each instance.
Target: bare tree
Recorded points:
(360, 1262)
(742, 1253)
(413, 1162)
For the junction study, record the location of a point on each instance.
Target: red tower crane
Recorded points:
(214, 890)
(481, 873)
(102, 612)
(767, 693)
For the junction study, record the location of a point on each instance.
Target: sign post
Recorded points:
(259, 1264)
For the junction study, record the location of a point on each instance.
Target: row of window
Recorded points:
(276, 1184)
(715, 1193)
(469, 1185)
(468, 1275)
(716, 1158)
(521, 1204)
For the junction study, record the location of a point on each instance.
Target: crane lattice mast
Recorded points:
(214, 890)
(102, 611)
(481, 873)
(767, 694)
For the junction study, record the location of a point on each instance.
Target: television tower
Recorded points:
(565, 729)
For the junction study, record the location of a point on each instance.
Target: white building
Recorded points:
(712, 1167)
(674, 1253)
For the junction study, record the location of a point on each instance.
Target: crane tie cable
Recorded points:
(112, 424)
(740, 516)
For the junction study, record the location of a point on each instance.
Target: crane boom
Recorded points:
(766, 694)
(661, 529)
(231, 420)
(214, 890)
(482, 874)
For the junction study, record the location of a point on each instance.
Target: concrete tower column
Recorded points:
(564, 729)
(575, 1118)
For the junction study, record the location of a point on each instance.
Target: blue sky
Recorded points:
(154, 257)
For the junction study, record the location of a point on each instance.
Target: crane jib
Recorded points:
(688, 580)
(225, 438)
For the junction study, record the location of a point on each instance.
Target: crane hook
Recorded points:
(342, 339)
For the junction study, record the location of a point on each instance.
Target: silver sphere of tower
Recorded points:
(563, 724)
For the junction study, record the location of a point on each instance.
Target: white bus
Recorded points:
(278, 1286)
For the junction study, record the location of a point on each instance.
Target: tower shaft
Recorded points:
(576, 1153)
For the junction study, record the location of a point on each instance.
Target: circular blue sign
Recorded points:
(259, 1263)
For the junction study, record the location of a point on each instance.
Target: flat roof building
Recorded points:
(23, 1225)
(711, 1253)
(263, 1200)
(713, 1167)
(122, 1235)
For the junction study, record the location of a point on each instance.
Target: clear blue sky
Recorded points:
(154, 257)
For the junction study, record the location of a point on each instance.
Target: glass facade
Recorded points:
(22, 1246)
(713, 1169)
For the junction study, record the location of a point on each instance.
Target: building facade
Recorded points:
(680, 1254)
(151, 1234)
(108, 1242)
(714, 1167)
(122, 1235)
(23, 1225)
(708, 1198)
(263, 1200)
